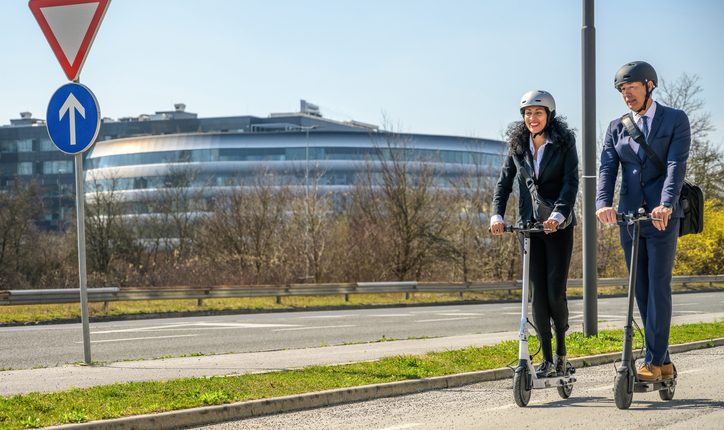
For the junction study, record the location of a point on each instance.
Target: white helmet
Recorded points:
(539, 98)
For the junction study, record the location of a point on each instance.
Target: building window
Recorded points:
(25, 168)
(57, 167)
(25, 145)
(47, 145)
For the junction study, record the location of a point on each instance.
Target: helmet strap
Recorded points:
(646, 99)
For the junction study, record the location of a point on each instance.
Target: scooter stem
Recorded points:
(628, 329)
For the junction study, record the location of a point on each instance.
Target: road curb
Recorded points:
(254, 408)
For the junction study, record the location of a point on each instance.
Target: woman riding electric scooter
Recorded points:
(542, 163)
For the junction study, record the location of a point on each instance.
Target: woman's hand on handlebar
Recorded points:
(497, 228)
(550, 226)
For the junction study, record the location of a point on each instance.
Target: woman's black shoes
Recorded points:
(560, 364)
(545, 370)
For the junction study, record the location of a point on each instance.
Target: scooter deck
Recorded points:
(648, 386)
(553, 381)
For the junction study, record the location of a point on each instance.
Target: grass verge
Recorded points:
(29, 314)
(118, 400)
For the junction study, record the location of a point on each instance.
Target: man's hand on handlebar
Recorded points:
(660, 217)
(606, 215)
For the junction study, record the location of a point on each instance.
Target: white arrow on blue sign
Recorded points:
(73, 118)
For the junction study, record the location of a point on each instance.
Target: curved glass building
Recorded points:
(292, 149)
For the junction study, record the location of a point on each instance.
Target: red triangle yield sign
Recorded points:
(70, 27)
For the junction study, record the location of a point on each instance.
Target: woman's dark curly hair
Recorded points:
(559, 133)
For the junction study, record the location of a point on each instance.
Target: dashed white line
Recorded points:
(314, 327)
(459, 314)
(389, 315)
(193, 326)
(323, 317)
(140, 338)
(445, 319)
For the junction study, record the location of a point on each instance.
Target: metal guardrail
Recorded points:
(111, 294)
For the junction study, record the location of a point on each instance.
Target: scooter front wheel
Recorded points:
(521, 392)
(622, 390)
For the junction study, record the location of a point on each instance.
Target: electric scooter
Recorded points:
(525, 379)
(626, 381)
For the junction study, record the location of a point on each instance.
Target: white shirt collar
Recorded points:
(649, 114)
(532, 148)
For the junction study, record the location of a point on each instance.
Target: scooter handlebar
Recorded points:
(529, 228)
(631, 218)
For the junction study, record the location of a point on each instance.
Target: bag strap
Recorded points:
(529, 182)
(638, 136)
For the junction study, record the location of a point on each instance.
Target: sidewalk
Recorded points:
(66, 377)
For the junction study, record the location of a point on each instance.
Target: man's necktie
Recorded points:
(646, 126)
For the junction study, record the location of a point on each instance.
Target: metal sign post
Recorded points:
(73, 118)
(80, 211)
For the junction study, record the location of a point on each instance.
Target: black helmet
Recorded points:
(635, 71)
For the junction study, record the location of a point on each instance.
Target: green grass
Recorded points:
(28, 314)
(118, 400)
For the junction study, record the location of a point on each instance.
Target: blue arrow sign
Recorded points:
(73, 118)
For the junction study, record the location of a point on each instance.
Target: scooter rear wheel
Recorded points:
(667, 394)
(622, 391)
(565, 391)
(521, 392)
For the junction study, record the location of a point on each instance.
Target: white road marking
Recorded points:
(314, 328)
(402, 426)
(137, 329)
(688, 312)
(389, 315)
(460, 314)
(140, 338)
(198, 326)
(686, 304)
(444, 319)
(324, 317)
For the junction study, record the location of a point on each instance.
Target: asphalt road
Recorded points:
(698, 404)
(54, 345)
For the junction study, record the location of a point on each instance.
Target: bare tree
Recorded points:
(109, 237)
(398, 197)
(311, 226)
(473, 249)
(176, 207)
(19, 210)
(247, 230)
(706, 161)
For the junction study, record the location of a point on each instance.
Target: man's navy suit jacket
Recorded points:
(642, 181)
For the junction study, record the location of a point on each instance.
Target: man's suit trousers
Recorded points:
(657, 250)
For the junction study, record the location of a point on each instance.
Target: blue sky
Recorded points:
(441, 67)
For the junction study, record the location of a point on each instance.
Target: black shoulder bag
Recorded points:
(691, 198)
(542, 208)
